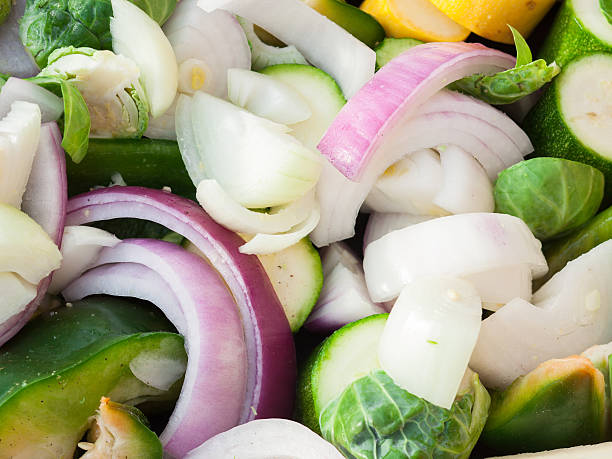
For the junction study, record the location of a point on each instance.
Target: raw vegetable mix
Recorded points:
(305, 228)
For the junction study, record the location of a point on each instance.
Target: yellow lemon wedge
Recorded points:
(489, 18)
(418, 19)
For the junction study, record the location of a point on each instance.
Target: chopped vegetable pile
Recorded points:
(305, 228)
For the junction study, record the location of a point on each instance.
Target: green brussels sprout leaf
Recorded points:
(552, 195)
(375, 418)
(561, 403)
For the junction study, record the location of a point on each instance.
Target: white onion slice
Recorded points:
(409, 186)
(262, 167)
(213, 391)
(500, 286)
(450, 246)
(206, 45)
(264, 55)
(322, 42)
(465, 185)
(380, 224)
(429, 336)
(51, 106)
(81, 246)
(16, 295)
(139, 38)
(19, 136)
(266, 439)
(570, 313)
(344, 297)
(265, 244)
(230, 214)
(163, 127)
(266, 97)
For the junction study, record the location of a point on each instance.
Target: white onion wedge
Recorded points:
(266, 97)
(16, 295)
(51, 106)
(322, 42)
(265, 244)
(139, 38)
(230, 214)
(344, 297)
(500, 286)
(455, 246)
(81, 246)
(429, 336)
(266, 439)
(380, 224)
(19, 135)
(465, 185)
(206, 45)
(570, 313)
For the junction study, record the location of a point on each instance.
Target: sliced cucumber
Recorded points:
(347, 355)
(390, 48)
(580, 28)
(576, 110)
(297, 278)
(322, 93)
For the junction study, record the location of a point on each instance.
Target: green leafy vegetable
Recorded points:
(514, 84)
(374, 418)
(552, 195)
(76, 120)
(110, 86)
(51, 24)
(606, 9)
(158, 10)
(565, 395)
(558, 253)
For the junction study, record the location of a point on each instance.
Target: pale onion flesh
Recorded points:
(380, 224)
(429, 336)
(51, 106)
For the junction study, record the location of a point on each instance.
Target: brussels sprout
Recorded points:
(561, 403)
(558, 253)
(552, 195)
(374, 418)
(110, 86)
(120, 431)
(53, 373)
(51, 24)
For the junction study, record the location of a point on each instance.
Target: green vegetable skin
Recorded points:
(5, 9)
(571, 36)
(374, 418)
(357, 22)
(121, 431)
(552, 195)
(559, 253)
(143, 162)
(569, 119)
(559, 404)
(55, 370)
(50, 24)
(390, 48)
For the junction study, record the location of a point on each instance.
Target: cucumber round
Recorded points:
(297, 278)
(320, 90)
(390, 48)
(580, 28)
(348, 354)
(575, 109)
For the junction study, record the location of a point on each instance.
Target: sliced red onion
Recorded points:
(81, 246)
(267, 439)
(15, 59)
(456, 246)
(322, 42)
(206, 46)
(270, 347)
(394, 95)
(380, 224)
(344, 297)
(45, 201)
(51, 106)
(213, 391)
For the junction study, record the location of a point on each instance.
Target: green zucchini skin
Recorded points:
(569, 38)
(143, 162)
